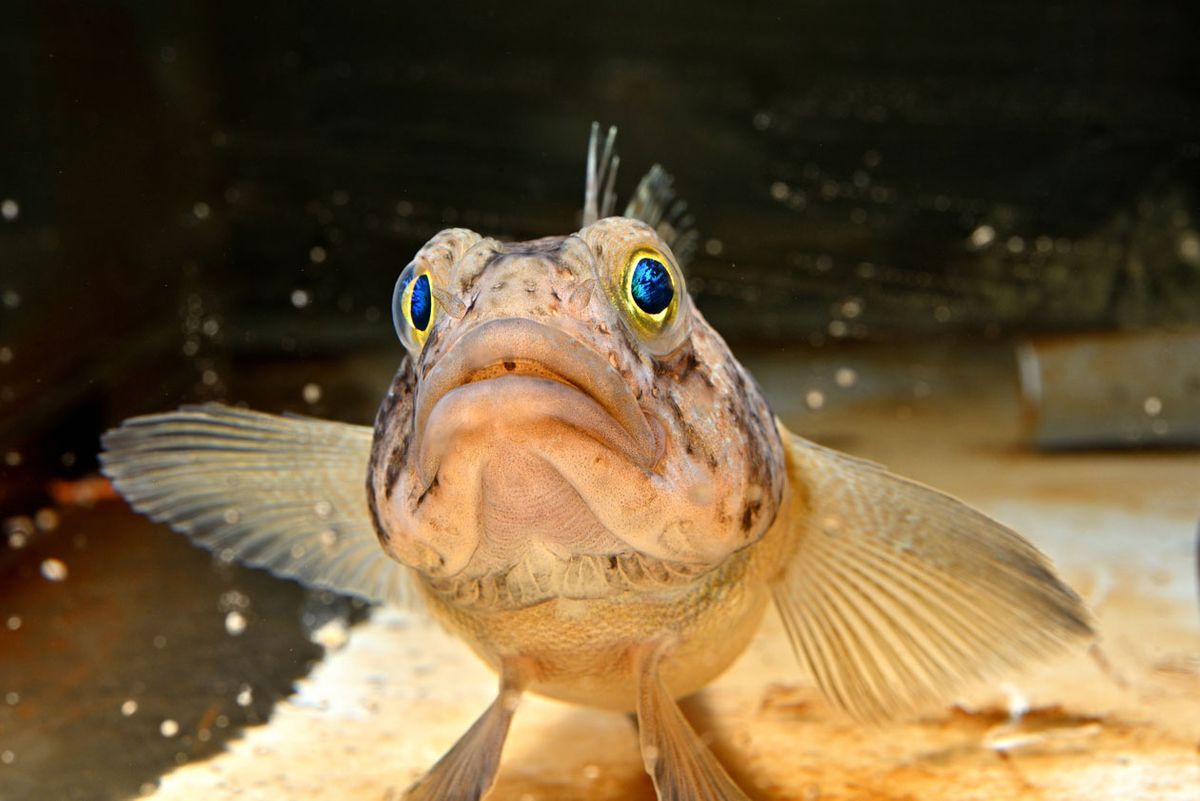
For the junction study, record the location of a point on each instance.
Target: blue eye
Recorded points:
(651, 286)
(421, 306)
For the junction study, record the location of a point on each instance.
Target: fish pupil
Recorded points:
(420, 307)
(651, 286)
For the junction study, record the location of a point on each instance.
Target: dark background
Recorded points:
(180, 171)
(213, 200)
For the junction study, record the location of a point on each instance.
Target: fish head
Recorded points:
(565, 423)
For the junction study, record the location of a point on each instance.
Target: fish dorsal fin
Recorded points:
(283, 493)
(654, 201)
(599, 197)
(898, 595)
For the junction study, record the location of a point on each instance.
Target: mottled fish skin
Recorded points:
(601, 504)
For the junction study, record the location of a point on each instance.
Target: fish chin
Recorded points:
(491, 490)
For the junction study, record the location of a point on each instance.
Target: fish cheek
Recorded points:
(391, 444)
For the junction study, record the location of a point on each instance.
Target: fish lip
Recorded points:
(552, 349)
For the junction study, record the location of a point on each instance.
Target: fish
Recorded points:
(572, 473)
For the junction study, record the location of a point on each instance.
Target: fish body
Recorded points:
(572, 473)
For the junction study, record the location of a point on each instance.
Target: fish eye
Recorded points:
(413, 307)
(651, 295)
(650, 285)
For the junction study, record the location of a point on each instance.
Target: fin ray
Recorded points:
(682, 767)
(899, 595)
(283, 493)
(467, 771)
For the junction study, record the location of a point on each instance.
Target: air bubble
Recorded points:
(982, 236)
(235, 623)
(54, 570)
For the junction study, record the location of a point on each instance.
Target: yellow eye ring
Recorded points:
(650, 291)
(413, 306)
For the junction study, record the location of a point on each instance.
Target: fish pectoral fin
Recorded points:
(682, 767)
(468, 769)
(898, 595)
(283, 493)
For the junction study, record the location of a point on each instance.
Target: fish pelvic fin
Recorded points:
(898, 595)
(287, 494)
(682, 767)
(468, 770)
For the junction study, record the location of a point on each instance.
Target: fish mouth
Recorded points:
(515, 370)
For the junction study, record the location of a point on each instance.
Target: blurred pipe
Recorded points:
(1122, 390)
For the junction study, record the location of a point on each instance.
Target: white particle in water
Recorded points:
(201, 210)
(713, 247)
(311, 393)
(300, 298)
(1189, 248)
(332, 634)
(168, 728)
(13, 622)
(46, 519)
(317, 254)
(235, 623)
(12, 458)
(245, 696)
(6, 354)
(982, 236)
(12, 698)
(129, 708)
(8, 757)
(851, 308)
(340, 197)
(815, 399)
(838, 328)
(159, 641)
(1153, 406)
(323, 508)
(11, 298)
(209, 378)
(591, 772)
(10, 209)
(845, 377)
(779, 191)
(54, 570)
(20, 529)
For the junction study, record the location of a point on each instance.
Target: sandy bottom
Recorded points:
(1120, 722)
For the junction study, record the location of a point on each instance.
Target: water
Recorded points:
(215, 203)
